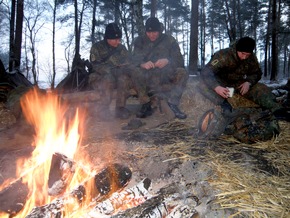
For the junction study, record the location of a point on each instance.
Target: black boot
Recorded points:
(282, 114)
(122, 113)
(146, 110)
(226, 107)
(176, 111)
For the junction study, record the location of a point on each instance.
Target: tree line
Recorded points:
(201, 27)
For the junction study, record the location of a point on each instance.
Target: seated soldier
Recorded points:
(238, 67)
(111, 69)
(158, 57)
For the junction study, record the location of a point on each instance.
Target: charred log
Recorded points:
(166, 203)
(61, 170)
(110, 179)
(13, 197)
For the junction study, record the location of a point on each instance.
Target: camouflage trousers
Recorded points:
(123, 79)
(167, 83)
(259, 93)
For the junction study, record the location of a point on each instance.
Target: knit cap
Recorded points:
(246, 44)
(113, 31)
(152, 25)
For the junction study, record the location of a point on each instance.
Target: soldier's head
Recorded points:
(245, 47)
(113, 34)
(153, 28)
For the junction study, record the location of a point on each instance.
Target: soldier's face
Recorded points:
(114, 42)
(243, 55)
(152, 35)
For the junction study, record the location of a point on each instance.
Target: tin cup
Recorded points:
(231, 93)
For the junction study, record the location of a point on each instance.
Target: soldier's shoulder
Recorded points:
(168, 37)
(99, 44)
(139, 39)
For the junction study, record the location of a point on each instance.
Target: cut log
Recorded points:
(110, 179)
(60, 174)
(166, 203)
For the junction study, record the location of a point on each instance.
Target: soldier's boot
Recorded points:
(145, 111)
(282, 114)
(122, 113)
(177, 112)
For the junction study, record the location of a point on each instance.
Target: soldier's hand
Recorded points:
(244, 88)
(161, 63)
(222, 91)
(148, 65)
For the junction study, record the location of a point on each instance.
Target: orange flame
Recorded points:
(57, 130)
(54, 132)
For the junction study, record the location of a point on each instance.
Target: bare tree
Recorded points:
(15, 34)
(274, 68)
(193, 56)
(138, 15)
(32, 26)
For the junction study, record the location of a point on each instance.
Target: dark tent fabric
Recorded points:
(10, 81)
(77, 80)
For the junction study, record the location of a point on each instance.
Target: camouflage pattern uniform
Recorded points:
(227, 70)
(111, 70)
(169, 81)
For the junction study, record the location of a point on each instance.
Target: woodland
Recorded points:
(66, 29)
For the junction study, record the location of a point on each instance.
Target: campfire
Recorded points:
(59, 180)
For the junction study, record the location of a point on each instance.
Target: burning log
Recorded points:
(110, 179)
(13, 197)
(61, 171)
(122, 200)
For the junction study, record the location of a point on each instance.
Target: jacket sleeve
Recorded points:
(175, 57)
(216, 64)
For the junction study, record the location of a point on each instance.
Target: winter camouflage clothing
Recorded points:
(169, 81)
(227, 70)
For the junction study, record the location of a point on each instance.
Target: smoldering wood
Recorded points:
(112, 178)
(61, 171)
(165, 203)
(105, 184)
(13, 197)
(125, 198)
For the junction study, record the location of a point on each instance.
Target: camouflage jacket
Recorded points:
(102, 55)
(164, 47)
(226, 69)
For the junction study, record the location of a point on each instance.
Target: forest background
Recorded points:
(44, 39)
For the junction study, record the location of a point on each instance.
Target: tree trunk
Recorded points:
(274, 69)
(53, 47)
(153, 8)
(12, 27)
(193, 56)
(93, 39)
(18, 33)
(77, 36)
(138, 14)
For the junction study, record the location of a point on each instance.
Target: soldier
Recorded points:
(159, 58)
(111, 69)
(237, 67)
